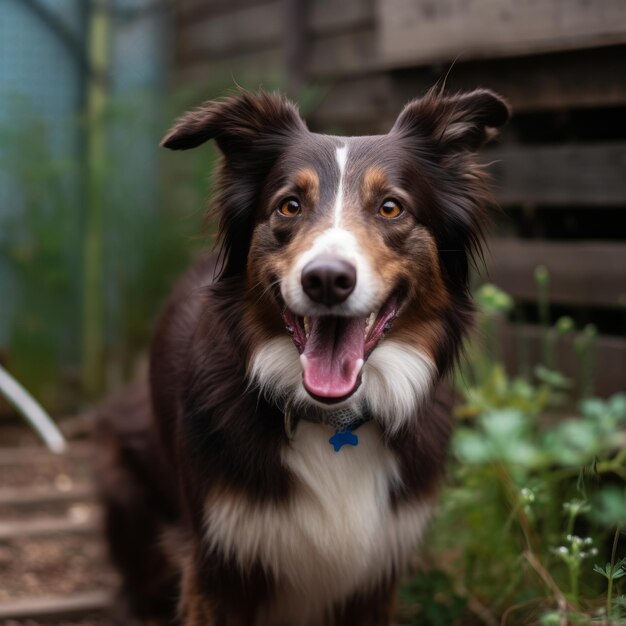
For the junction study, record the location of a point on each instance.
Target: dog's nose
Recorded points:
(328, 280)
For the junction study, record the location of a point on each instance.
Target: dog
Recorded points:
(283, 460)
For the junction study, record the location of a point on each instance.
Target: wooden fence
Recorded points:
(560, 167)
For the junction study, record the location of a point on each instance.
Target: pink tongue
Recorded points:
(333, 355)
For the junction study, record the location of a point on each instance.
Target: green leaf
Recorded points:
(470, 447)
(617, 405)
(552, 377)
(610, 507)
(593, 407)
(619, 569)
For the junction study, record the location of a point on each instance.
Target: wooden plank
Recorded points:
(250, 70)
(294, 44)
(330, 16)
(248, 29)
(191, 11)
(56, 607)
(581, 273)
(323, 16)
(551, 82)
(560, 175)
(239, 35)
(415, 32)
(39, 496)
(609, 355)
(575, 79)
(46, 526)
(360, 105)
(28, 455)
(348, 54)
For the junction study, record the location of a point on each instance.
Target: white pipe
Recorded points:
(32, 411)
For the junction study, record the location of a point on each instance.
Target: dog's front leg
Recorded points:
(196, 608)
(374, 607)
(215, 592)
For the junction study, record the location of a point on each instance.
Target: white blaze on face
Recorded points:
(337, 241)
(342, 158)
(340, 243)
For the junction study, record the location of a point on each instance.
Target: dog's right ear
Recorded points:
(251, 131)
(238, 123)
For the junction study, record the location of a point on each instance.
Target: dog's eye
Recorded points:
(390, 209)
(290, 208)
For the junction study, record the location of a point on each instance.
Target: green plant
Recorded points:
(38, 248)
(430, 599)
(148, 229)
(536, 488)
(612, 571)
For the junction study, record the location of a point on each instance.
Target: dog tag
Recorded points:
(343, 438)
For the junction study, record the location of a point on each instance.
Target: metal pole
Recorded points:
(32, 411)
(93, 272)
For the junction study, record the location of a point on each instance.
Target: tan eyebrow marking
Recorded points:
(374, 181)
(308, 182)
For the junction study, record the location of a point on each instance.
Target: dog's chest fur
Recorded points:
(338, 531)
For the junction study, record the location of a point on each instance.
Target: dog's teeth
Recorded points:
(307, 326)
(370, 322)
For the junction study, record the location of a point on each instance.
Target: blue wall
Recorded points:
(43, 84)
(39, 80)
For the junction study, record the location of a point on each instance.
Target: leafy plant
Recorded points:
(536, 488)
(148, 232)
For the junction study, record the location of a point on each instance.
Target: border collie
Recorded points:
(282, 463)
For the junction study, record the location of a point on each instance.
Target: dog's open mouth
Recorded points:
(333, 349)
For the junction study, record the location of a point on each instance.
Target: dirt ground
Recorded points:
(35, 562)
(52, 565)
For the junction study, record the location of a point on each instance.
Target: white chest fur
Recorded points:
(337, 533)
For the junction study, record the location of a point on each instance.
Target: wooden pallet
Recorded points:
(35, 514)
(46, 526)
(35, 497)
(57, 608)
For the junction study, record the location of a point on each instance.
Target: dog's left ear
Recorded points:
(237, 123)
(461, 122)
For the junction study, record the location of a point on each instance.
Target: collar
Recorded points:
(347, 418)
(344, 419)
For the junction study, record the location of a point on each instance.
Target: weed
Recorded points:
(535, 492)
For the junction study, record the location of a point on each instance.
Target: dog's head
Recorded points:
(355, 250)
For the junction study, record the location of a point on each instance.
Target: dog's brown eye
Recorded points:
(290, 208)
(390, 209)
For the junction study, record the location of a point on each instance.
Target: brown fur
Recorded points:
(205, 434)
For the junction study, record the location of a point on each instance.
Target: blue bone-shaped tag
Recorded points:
(343, 438)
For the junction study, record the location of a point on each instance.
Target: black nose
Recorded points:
(328, 280)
